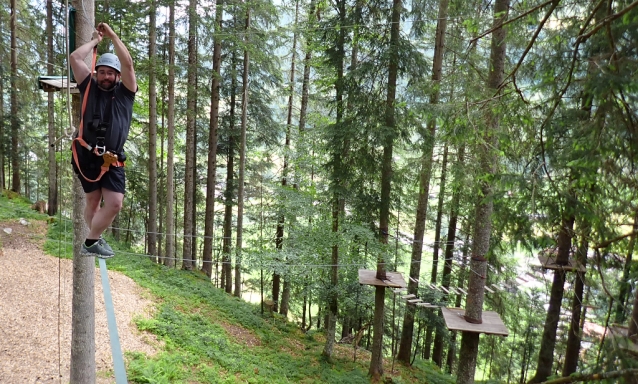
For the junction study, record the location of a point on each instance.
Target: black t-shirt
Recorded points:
(120, 117)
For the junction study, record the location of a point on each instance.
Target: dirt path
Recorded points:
(33, 296)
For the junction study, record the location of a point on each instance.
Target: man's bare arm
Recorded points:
(80, 69)
(127, 74)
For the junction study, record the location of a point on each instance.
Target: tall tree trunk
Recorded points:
(548, 340)
(488, 160)
(437, 353)
(152, 133)
(337, 198)
(15, 154)
(407, 330)
(451, 352)
(227, 277)
(52, 197)
(625, 287)
(2, 153)
(162, 181)
(189, 186)
(574, 334)
(169, 261)
(376, 360)
(306, 75)
(207, 261)
(242, 162)
(83, 303)
(283, 309)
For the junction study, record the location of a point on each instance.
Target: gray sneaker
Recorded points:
(105, 244)
(98, 250)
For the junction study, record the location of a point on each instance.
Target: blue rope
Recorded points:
(116, 349)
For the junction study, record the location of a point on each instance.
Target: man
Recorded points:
(107, 118)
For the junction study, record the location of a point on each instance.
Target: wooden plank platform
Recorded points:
(393, 279)
(492, 323)
(548, 261)
(408, 296)
(56, 83)
(414, 301)
(426, 305)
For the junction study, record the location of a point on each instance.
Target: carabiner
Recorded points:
(99, 150)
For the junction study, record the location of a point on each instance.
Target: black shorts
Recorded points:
(113, 180)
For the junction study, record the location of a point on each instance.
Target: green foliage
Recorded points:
(14, 206)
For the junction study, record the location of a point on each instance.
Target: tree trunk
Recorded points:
(83, 302)
(152, 134)
(574, 334)
(338, 202)
(191, 96)
(437, 353)
(242, 165)
(407, 330)
(52, 197)
(169, 261)
(625, 287)
(211, 177)
(227, 278)
(15, 154)
(548, 340)
(488, 160)
(2, 153)
(376, 360)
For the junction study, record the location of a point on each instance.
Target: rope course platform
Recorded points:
(55, 84)
(492, 323)
(392, 279)
(548, 261)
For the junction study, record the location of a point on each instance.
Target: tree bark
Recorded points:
(376, 360)
(227, 279)
(338, 154)
(2, 153)
(407, 330)
(242, 163)
(437, 352)
(488, 160)
(52, 197)
(191, 101)
(574, 334)
(625, 287)
(211, 176)
(83, 302)
(152, 134)
(169, 260)
(15, 140)
(548, 340)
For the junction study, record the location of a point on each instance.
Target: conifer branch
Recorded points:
(582, 38)
(510, 21)
(593, 376)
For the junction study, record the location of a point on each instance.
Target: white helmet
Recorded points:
(109, 60)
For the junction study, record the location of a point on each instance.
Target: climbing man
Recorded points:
(98, 150)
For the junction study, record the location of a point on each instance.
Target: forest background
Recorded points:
(281, 147)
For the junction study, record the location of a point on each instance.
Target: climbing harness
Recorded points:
(110, 158)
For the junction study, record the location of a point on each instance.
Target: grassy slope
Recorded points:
(211, 337)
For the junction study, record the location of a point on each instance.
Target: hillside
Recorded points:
(175, 327)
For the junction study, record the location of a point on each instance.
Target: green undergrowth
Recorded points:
(208, 336)
(13, 206)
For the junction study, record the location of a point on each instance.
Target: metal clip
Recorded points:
(99, 150)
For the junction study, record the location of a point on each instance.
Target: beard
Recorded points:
(106, 85)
